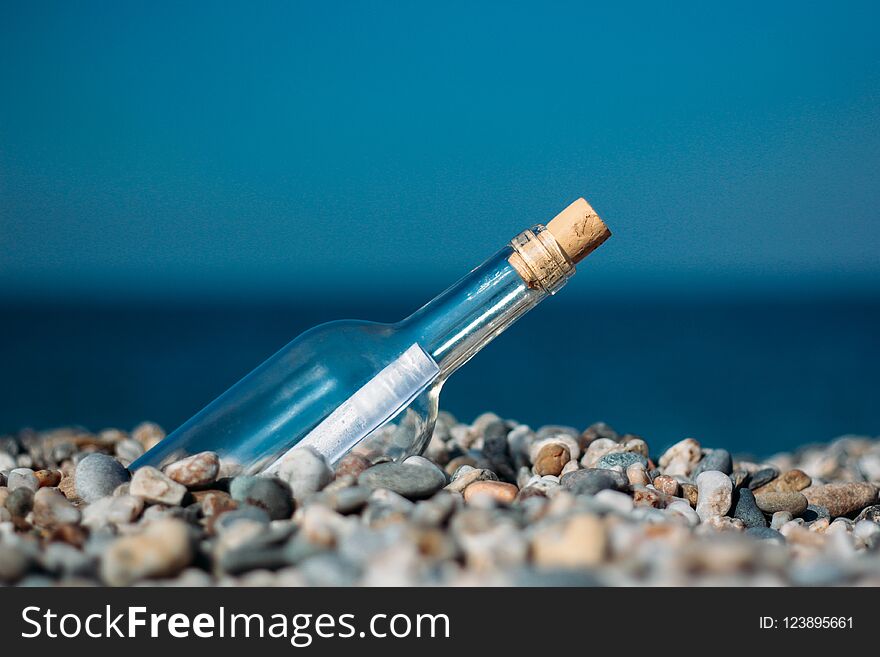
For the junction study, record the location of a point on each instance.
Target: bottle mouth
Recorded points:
(540, 260)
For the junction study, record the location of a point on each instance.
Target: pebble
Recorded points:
(793, 502)
(765, 534)
(621, 460)
(97, 475)
(352, 464)
(551, 459)
(792, 481)
(762, 476)
(48, 478)
(637, 475)
(684, 510)
(22, 478)
(747, 510)
(499, 491)
(591, 481)
(128, 450)
(716, 459)
(196, 471)
(871, 513)
(148, 434)
(681, 458)
(578, 543)
(267, 493)
(155, 487)
(779, 519)
(51, 509)
(815, 512)
(466, 475)
(668, 485)
(345, 500)
(690, 493)
(715, 492)
(305, 471)
(19, 502)
(14, 564)
(163, 549)
(842, 499)
(411, 481)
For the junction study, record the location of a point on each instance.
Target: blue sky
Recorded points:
(277, 148)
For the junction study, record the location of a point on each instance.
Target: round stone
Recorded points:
(97, 475)
(716, 459)
(794, 503)
(591, 480)
(267, 493)
(411, 481)
(497, 490)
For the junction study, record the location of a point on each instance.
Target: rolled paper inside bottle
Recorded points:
(578, 230)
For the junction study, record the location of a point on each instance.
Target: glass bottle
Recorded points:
(374, 388)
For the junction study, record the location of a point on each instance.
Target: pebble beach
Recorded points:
(492, 503)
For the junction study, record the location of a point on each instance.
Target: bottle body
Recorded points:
(361, 386)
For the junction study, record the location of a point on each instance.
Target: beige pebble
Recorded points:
(579, 542)
(195, 471)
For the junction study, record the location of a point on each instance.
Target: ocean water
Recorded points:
(754, 376)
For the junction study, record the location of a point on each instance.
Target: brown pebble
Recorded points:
(793, 502)
(48, 478)
(352, 464)
(668, 485)
(551, 458)
(215, 502)
(689, 491)
(497, 490)
(842, 499)
(792, 481)
(67, 485)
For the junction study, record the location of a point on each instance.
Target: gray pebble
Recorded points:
(245, 513)
(747, 510)
(765, 533)
(716, 459)
(97, 475)
(815, 512)
(14, 563)
(411, 481)
(305, 471)
(591, 480)
(266, 493)
(762, 476)
(20, 502)
(22, 478)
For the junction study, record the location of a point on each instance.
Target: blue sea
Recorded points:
(754, 376)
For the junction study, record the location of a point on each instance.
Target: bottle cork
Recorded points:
(545, 257)
(578, 230)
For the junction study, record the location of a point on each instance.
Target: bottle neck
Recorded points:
(460, 321)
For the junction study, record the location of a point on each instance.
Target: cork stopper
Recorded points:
(578, 230)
